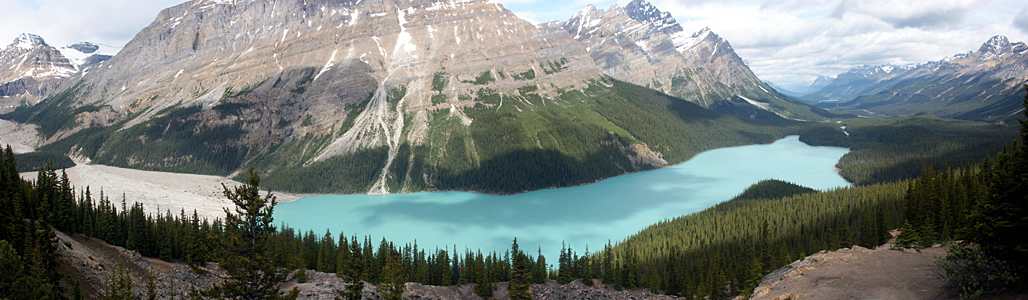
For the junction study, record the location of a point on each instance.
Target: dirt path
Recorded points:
(860, 273)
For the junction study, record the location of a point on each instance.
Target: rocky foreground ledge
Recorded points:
(90, 261)
(860, 273)
(852, 273)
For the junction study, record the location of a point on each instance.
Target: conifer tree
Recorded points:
(392, 285)
(520, 279)
(251, 274)
(998, 221)
(119, 286)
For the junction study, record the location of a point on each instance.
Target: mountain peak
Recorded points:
(85, 47)
(996, 45)
(645, 12)
(28, 41)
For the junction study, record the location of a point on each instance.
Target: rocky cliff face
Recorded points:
(979, 85)
(29, 70)
(640, 44)
(382, 96)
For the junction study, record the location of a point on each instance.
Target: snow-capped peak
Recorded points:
(645, 12)
(588, 10)
(684, 42)
(85, 53)
(28, 41)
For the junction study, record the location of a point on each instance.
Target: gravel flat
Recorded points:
(158, 191)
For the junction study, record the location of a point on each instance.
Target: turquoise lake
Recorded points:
(588, 215)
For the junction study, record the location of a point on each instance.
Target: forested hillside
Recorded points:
(726, 250)
(889, 149)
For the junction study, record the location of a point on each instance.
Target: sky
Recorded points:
(788, 42)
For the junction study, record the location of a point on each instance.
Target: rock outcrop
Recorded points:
(859, 273)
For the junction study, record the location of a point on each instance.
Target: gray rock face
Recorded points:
(306, 66)
(29, 70)
(301, 85)
(85, 47)
(643, 45)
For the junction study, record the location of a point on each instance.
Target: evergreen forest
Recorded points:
(721, 252)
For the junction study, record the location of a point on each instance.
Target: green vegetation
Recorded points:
(395, 95)
(554, 66)
(438, 99)
(725, 250)
(179, 142)
(526, 75)
(251, 274)
(28, 246)
(34, 161)
(885, 150)
(254, 253)
(350, 173)
(773, 189)
(439, 81)
(966, 97)
(55, 114)
(983, 206)
(485, 78)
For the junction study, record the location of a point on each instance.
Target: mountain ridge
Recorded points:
(401, 95)
(982, 85)
(640, 44)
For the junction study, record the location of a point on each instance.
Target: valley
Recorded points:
(409, 149)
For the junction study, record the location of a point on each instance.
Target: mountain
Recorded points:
(855, 82)
(818, 83)
(640, 44)
(783, 90)
(377, 96)
(31, 69)
(85, 54)
(982, 85)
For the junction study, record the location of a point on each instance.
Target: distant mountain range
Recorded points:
(387, 96)
(983, 85)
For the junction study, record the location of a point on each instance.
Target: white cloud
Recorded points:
(793, 42)
(63, 22)
(786, 41)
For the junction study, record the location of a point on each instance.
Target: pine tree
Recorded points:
(119, 286)
(540, 268)
(392, 285)
(354, 291)
(519, 277)
(10, 262)
(564, 265)
(250, 270)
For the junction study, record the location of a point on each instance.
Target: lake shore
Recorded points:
(157, 191)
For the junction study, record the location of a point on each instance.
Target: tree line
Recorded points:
(983, 208)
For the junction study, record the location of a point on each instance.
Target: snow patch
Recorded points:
(685, 42)
(328, 65)
(762, 105)
(403, 41)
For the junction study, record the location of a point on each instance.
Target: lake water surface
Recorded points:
(588, 215)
